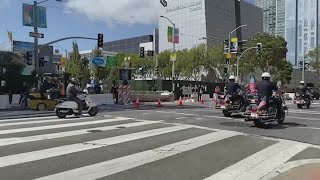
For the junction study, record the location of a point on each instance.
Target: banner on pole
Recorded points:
(27, 16)
(170, 35)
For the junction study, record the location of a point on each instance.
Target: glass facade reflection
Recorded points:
(206, 18)
(305, 28)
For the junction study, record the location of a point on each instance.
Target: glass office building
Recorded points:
(196, 19)
(301, 28)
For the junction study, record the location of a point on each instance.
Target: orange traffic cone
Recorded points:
(202, 101)
(137, 104)
(180, 102)
(159, 103)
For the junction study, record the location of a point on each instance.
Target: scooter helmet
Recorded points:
(73, 80)
(266, 76)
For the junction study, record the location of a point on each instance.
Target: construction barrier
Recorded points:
(101, 99)
(206, 97)
(124, 94)
(4, 102)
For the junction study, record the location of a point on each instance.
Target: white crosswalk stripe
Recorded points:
(81, 141)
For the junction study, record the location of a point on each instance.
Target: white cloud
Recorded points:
(132, 11)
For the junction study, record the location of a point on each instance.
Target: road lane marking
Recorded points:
(114, 166)
(44, 121)
(68, 149)
(17, 140)
(179, 118)
(9, 131)
(261, 163)
(311, 119)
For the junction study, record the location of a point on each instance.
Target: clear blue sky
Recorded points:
(63, 23)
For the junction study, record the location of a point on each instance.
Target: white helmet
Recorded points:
(301, 82)
(232, 77)
(266, 75)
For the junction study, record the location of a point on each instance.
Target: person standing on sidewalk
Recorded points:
(114, 91)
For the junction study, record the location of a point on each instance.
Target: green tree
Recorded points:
(14, 64)
(314, 55)
(165, 65)
(271, 59)
(78, 67)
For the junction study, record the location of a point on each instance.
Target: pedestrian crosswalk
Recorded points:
(87, 148)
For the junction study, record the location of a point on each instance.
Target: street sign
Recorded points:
(186, 90)
(173, 57)
(164, 3)
(229, 55)
(37, 35)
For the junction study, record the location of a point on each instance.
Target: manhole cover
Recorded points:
(94, 131)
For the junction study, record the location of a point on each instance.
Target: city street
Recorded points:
(173, 142)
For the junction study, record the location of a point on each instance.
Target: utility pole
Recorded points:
(238, 18)
(35, 27)
(317, 34)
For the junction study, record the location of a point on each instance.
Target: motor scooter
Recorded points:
(67, 107)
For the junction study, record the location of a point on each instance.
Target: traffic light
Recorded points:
(157, 70)
(226, 46)
(225, 71)
(242, 46)
(227, 61)
(259, 48)
(100, 40)
(41, 62)
(29, 58)
(141, 52)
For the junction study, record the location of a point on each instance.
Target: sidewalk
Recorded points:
(305, 172)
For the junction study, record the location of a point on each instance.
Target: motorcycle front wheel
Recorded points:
(226, 113)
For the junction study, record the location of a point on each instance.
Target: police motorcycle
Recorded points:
(230, 106)
(67, 107)
(302, 100)
(261, 113)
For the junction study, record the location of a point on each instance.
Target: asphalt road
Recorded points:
(168, 143)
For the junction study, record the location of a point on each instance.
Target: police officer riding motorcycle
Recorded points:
(302, 96)
(269, 107)
(234, 103)
(265, 90)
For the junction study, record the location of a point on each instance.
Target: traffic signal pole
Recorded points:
(35, 30)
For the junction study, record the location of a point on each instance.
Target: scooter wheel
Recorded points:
(93, 111)
(60, 114)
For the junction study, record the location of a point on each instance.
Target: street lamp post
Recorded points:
(173, 49)
(229, 49)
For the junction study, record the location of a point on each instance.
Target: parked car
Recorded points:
(315, 93)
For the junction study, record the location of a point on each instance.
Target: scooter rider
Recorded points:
(265, 89)
(232, 89)
(72, 93)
